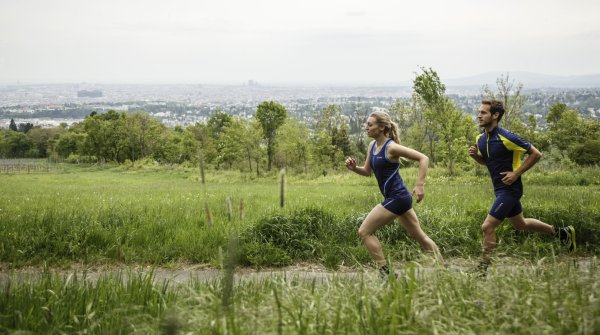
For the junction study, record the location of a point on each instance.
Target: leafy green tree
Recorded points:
(586, 153)
(15, 145)
(271, 116)
(428, 93)
(43, 140)
(443, 125)
(25, 127)
(106, 136)
(144, 135)
(13, 126)
(190, 147)
(555, 113)
(218, 122)
(341, 140)
(172, 147)
(401, 113)
(322, 149)
(456, 131)
(205, 138)
(294, 147)
(70, 143)
(568, 131)
(509, 93)
(332, 137)
(231, 146)
(252, 142)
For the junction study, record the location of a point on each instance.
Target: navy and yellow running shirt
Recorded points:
(502, 151)
(389, 180)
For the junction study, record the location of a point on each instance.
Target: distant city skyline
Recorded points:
(278, 42)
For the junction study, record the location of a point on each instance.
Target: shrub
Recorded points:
(586, 153)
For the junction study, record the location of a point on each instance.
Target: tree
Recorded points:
(401, 113)
(70, 143)
(144, 135)
(13, 125)
(294, 148)
(271, 116)
(428, 93)
(231, 148)
(42, 140)
(250, 138)
(25, 127)
(218, 123)
(586, 153)
(106, 136)
(555, 113)
(207, 143)
(568, 131)
(332, 135)
(15, 145)
(441, 122)
(509, 93)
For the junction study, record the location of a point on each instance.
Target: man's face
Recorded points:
(485, 117)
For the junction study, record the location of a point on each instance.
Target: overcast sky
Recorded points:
(280, 41)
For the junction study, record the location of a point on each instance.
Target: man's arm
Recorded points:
(473, 153)
(533, 156)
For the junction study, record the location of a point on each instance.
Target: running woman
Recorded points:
(383, 159)
(500, 150)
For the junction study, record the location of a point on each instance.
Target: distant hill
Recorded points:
(530, 80)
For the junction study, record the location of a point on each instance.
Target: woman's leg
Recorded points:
(411, 223)
(377, 218)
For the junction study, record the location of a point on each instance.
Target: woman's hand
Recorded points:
(351, 163)
(419, 192)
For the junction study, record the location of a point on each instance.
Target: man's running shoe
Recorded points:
(567, 237)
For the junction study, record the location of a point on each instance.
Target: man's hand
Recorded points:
(351, 163)
(473, 151)
(419, 192)
(509, 177)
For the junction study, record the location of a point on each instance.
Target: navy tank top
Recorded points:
(390, 182)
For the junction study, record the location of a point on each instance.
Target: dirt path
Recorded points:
(183, 274)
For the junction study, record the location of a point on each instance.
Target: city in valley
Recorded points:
(48, 105)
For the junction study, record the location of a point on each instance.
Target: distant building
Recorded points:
(89, 94)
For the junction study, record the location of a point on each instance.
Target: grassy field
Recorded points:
(159, 216)
(122, 217)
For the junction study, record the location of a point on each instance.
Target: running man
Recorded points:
(383, 159)
(500, 150)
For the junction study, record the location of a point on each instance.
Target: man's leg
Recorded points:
(533, 225)
(489, 237)
(566, 234)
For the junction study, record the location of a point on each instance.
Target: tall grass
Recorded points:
(157, 216)
(117, 304)
(153, 215)
(551, 296)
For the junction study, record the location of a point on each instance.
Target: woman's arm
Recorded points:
(364, 170)
(395, 151)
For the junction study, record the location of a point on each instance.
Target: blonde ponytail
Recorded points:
(394, 132)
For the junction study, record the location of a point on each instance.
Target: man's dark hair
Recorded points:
(496, 106)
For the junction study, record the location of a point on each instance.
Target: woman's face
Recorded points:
(372, 128)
